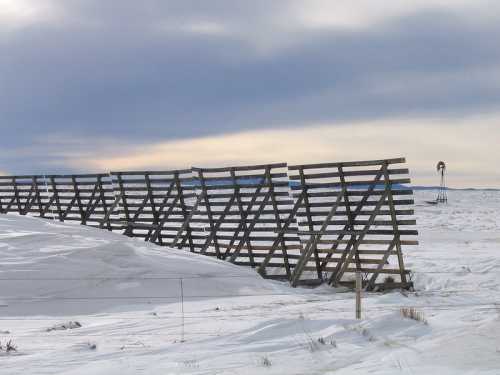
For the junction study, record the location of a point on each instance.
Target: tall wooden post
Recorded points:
(358, 294)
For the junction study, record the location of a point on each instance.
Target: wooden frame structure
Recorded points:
(350, 220)
(304, 223)
(86, 198)
(155, 205)
(244, 210)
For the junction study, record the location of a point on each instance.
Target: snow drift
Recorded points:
(52, 268)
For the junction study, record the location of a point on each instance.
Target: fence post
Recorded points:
(182, 310)
(358, 294)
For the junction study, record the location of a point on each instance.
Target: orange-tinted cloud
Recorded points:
(469, 146)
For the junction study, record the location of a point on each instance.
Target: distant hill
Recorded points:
(417, 187)
(256, 181)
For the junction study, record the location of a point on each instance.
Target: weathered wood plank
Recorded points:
(363, 163)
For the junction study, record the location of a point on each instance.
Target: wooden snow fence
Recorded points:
(308, 224)
(155, 205)
(86, 198)
(245, 212)
(352, 217)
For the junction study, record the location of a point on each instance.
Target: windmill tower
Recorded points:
(441, 198)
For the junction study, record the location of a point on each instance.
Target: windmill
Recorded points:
(441, 198)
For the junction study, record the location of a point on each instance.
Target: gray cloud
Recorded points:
(135, 74)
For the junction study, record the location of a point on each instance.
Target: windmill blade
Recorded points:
(441, 166)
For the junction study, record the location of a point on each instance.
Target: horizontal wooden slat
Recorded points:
(363, 163)
(362, 269)
(380, 232)
(365, 242)
(360, 252)
(369, 172)
(351, 193)
(158, 198)
(159, 173)
(327, 185)
(246, 196)
(269, 265)
(259, 178)
(241, 168)
(397, 202)
(360, 222)
(256, 248)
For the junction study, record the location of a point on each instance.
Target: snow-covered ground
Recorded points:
(126, 296)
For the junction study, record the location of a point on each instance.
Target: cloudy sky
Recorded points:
(93, 85)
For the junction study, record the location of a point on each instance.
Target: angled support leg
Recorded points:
(312, 244)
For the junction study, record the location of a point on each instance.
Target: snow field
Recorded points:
(127, 296)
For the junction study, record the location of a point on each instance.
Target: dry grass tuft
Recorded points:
(265, 361)
(389, 280)
(65, 326)
(412, 313)
(9, 347)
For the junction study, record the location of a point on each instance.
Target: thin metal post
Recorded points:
(182, 311)
(358, 294)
